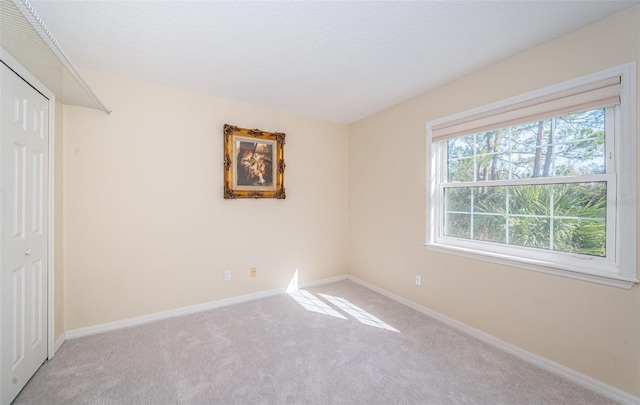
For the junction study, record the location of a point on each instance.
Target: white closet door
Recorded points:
(24, 126)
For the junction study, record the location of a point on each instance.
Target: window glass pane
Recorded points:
(530, 200)
(529, 231)
(521, 165)
(460, 147)
(570, 145)
(582, 200)
(457, 199)
(489, 199)
(460, 169)
(458, 225)
(524, 137)
(580, 218)
(580, 157)
(494, 166)
(492, 141)
(531, 156)
(563, 217)
(580, 126)
(580, 236)
(489, 228)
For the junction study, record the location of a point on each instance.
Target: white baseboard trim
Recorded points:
(139, 320)
(546, 364)
(323, 281)
(61, 339)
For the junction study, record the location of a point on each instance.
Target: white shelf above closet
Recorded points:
(26, 38)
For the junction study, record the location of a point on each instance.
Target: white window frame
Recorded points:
(618, 269)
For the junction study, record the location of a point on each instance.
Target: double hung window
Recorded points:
(545, 181)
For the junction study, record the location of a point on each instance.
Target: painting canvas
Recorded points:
(254, 163)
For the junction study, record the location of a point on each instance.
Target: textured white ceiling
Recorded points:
(339, 61)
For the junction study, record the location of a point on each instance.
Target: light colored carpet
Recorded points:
(347, 346)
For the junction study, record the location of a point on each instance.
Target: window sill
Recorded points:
(610, 279)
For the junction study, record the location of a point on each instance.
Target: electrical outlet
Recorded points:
(254, 271)
(227, 275)
(418, 280)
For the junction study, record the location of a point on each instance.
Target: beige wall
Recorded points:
(58, 221)
(588, 327)
(146, 227)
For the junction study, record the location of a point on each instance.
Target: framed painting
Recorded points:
(253, 163)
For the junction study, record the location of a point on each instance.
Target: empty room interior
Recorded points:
(319, 202)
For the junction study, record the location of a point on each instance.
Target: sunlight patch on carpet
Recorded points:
(360, 314)
(311, 303)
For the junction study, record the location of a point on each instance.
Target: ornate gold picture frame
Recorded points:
(253, 163)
